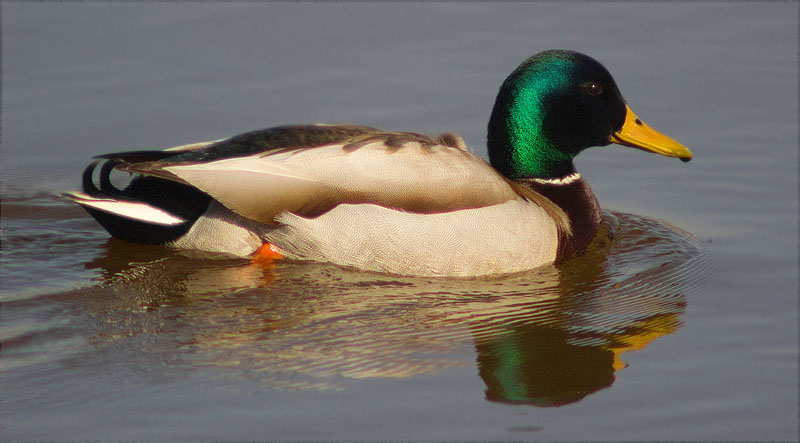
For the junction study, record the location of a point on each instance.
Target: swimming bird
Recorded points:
(393, 202)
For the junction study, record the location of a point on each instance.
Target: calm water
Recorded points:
(680, 322)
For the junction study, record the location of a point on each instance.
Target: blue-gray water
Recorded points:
(679, 323)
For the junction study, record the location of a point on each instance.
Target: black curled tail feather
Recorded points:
(105, 179)
(180, 200)
(88, 183)
(106, 189)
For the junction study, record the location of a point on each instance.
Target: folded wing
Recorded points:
(402, 171)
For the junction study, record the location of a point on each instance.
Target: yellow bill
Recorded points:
(636, 134)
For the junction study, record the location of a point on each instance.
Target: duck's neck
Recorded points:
(519, 149)
(573, 196)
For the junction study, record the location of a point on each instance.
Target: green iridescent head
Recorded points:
(556, 104)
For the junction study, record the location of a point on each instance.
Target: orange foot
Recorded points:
(266, 254)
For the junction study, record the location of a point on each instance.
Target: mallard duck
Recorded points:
(393, 202)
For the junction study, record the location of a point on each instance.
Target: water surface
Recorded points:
(680, 322)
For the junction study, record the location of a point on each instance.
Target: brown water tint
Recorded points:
(547, 337)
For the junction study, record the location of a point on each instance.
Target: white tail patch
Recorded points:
(127, 209)
(221, 230)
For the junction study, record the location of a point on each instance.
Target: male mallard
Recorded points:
(395, 202)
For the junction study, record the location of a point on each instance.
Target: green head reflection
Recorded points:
(539, 366)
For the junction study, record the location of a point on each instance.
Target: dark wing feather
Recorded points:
(271, 139)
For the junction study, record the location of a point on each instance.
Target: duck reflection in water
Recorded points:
(546, 338)
(570, 346)
(549, 366)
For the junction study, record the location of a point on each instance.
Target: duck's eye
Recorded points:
(593, 88)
